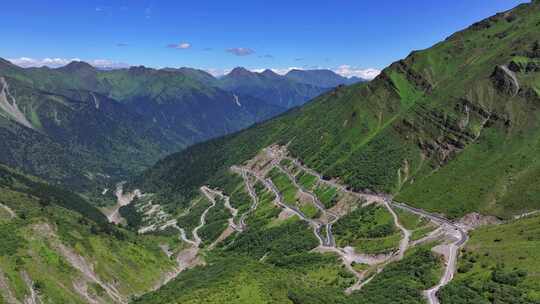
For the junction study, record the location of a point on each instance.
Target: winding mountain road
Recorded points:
(451, 250)
(206, 191)
(404, 243)
(329, 240)
(326, 239)
(326, 243)
(211, 195)
(251, 192)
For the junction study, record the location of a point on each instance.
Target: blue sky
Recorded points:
(344, 35)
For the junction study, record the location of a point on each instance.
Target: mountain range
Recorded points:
(420, 186)
(80, 125)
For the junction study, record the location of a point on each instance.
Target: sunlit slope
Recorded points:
(57, 248)
(452, 128)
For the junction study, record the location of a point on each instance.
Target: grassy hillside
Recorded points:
(304, 278)
(59, 247)
(451, 129)
(500, 264)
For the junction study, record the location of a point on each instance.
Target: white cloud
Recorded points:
(240, 51)
(27, 62)
(180, 46)
(350, 71)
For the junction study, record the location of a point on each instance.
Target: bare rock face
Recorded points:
(505, 80)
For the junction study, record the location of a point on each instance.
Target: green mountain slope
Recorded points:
(265, 239)
(451, 129)
(314, 195)
(78, 125)
(499, 264)
(57, 248)
(305, 208)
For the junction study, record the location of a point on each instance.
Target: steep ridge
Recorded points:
(436, 129)
(446, 133)
(100, 124)
(92, 125)
(57, 248)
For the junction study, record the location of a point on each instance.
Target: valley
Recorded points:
(281, 185)
(446, 237)
(97, 128)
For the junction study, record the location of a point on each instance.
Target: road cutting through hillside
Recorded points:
(449, 228)
(404, 243)
(326, 240)
(348, 257)
(330, 217)
(449, 251)
(251, 192)
(211, 196)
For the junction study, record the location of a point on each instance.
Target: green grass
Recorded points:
(192, 219)
(240, 280)
(240, 199)
(286, 162)
(409, 220)
(371, 222)
(403, 281)
(421, 232)
(497, 176)
(408, 93)
(285, 186)
(500, 262)
(378, 245)
(307, 180)
(310, 210)
(134, 262)
(216, 222)
(419, 226)
(4, 215)
(327, 195)
(286, 239)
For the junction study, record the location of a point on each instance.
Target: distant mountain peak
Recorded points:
(240, 71)
(141, 70)
(270, 73)
(320, 77)
(78, 66)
